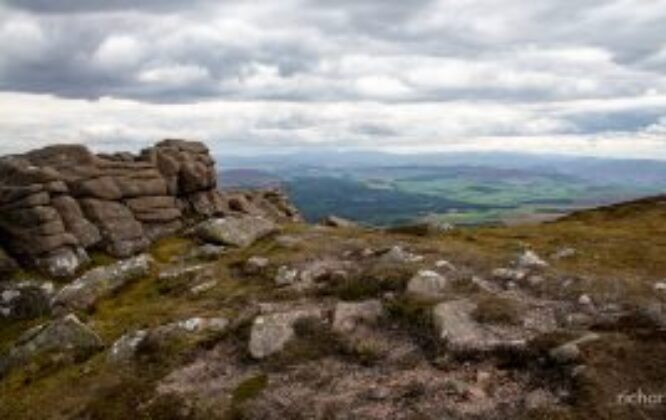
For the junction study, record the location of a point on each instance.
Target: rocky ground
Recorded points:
(243, 317)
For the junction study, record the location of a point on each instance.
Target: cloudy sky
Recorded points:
(254, 76)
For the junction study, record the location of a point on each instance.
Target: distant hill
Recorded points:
(462, 188)
(248, 178)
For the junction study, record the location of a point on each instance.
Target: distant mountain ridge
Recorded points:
(461, 188)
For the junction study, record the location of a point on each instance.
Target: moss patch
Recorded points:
(497, 310)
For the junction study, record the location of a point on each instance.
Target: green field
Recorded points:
(458, 195)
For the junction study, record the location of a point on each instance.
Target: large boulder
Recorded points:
(99, 282)
(61, 339)
(236, 231)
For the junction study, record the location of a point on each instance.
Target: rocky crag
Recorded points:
(59, 202)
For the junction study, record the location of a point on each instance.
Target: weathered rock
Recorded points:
(58, 201)
(25, 300)
(125, 348)
(509, 274)
(271, 333)
(87, 233)
(63, 337)
(445, 265)
(324, 270)
(564, 253)
(457, 328)
(286, 276)
(348, 315)
(539, 399)
(208, 252)
(570, 352)
(63, 262)
(84, 292)
(397, 254)
(236, 231)
(256, 265)
(427, 284)
(530, 260)
(180, 271)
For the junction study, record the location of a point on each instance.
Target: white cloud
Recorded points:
(119, 52)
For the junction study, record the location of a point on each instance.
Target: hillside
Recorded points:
(242, 314)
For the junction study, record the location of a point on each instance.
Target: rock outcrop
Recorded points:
(61, 339)
(60, 201)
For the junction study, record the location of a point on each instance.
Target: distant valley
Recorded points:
(460, 188)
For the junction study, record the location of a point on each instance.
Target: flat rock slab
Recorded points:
(99, 282)
(66, 336)
(456, 327)
(240, 232)
(271, 333)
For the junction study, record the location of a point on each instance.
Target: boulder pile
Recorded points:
(60, 201)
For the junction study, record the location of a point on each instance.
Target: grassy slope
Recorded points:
(620, 253)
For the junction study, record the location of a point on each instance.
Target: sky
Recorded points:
(583, 77)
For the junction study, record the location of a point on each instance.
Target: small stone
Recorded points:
(483, 378)
(535, 281)
(286, 276)
(660, 286)
(445, 265)
(585, 300)
(578, 371)
(566, 353)
(398, 255)
(456, 387)
(124, 349)
(180, 272)
(203, 287)
(538, 399)
(570, 352)
(350, 314)
(208, 252)
(288, 241)
(271, 333)
(563, 253)
(509, 274)
(530, 260)
(427, 284)
(256, 265)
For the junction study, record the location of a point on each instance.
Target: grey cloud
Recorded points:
(392, 53)
(85, 6)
